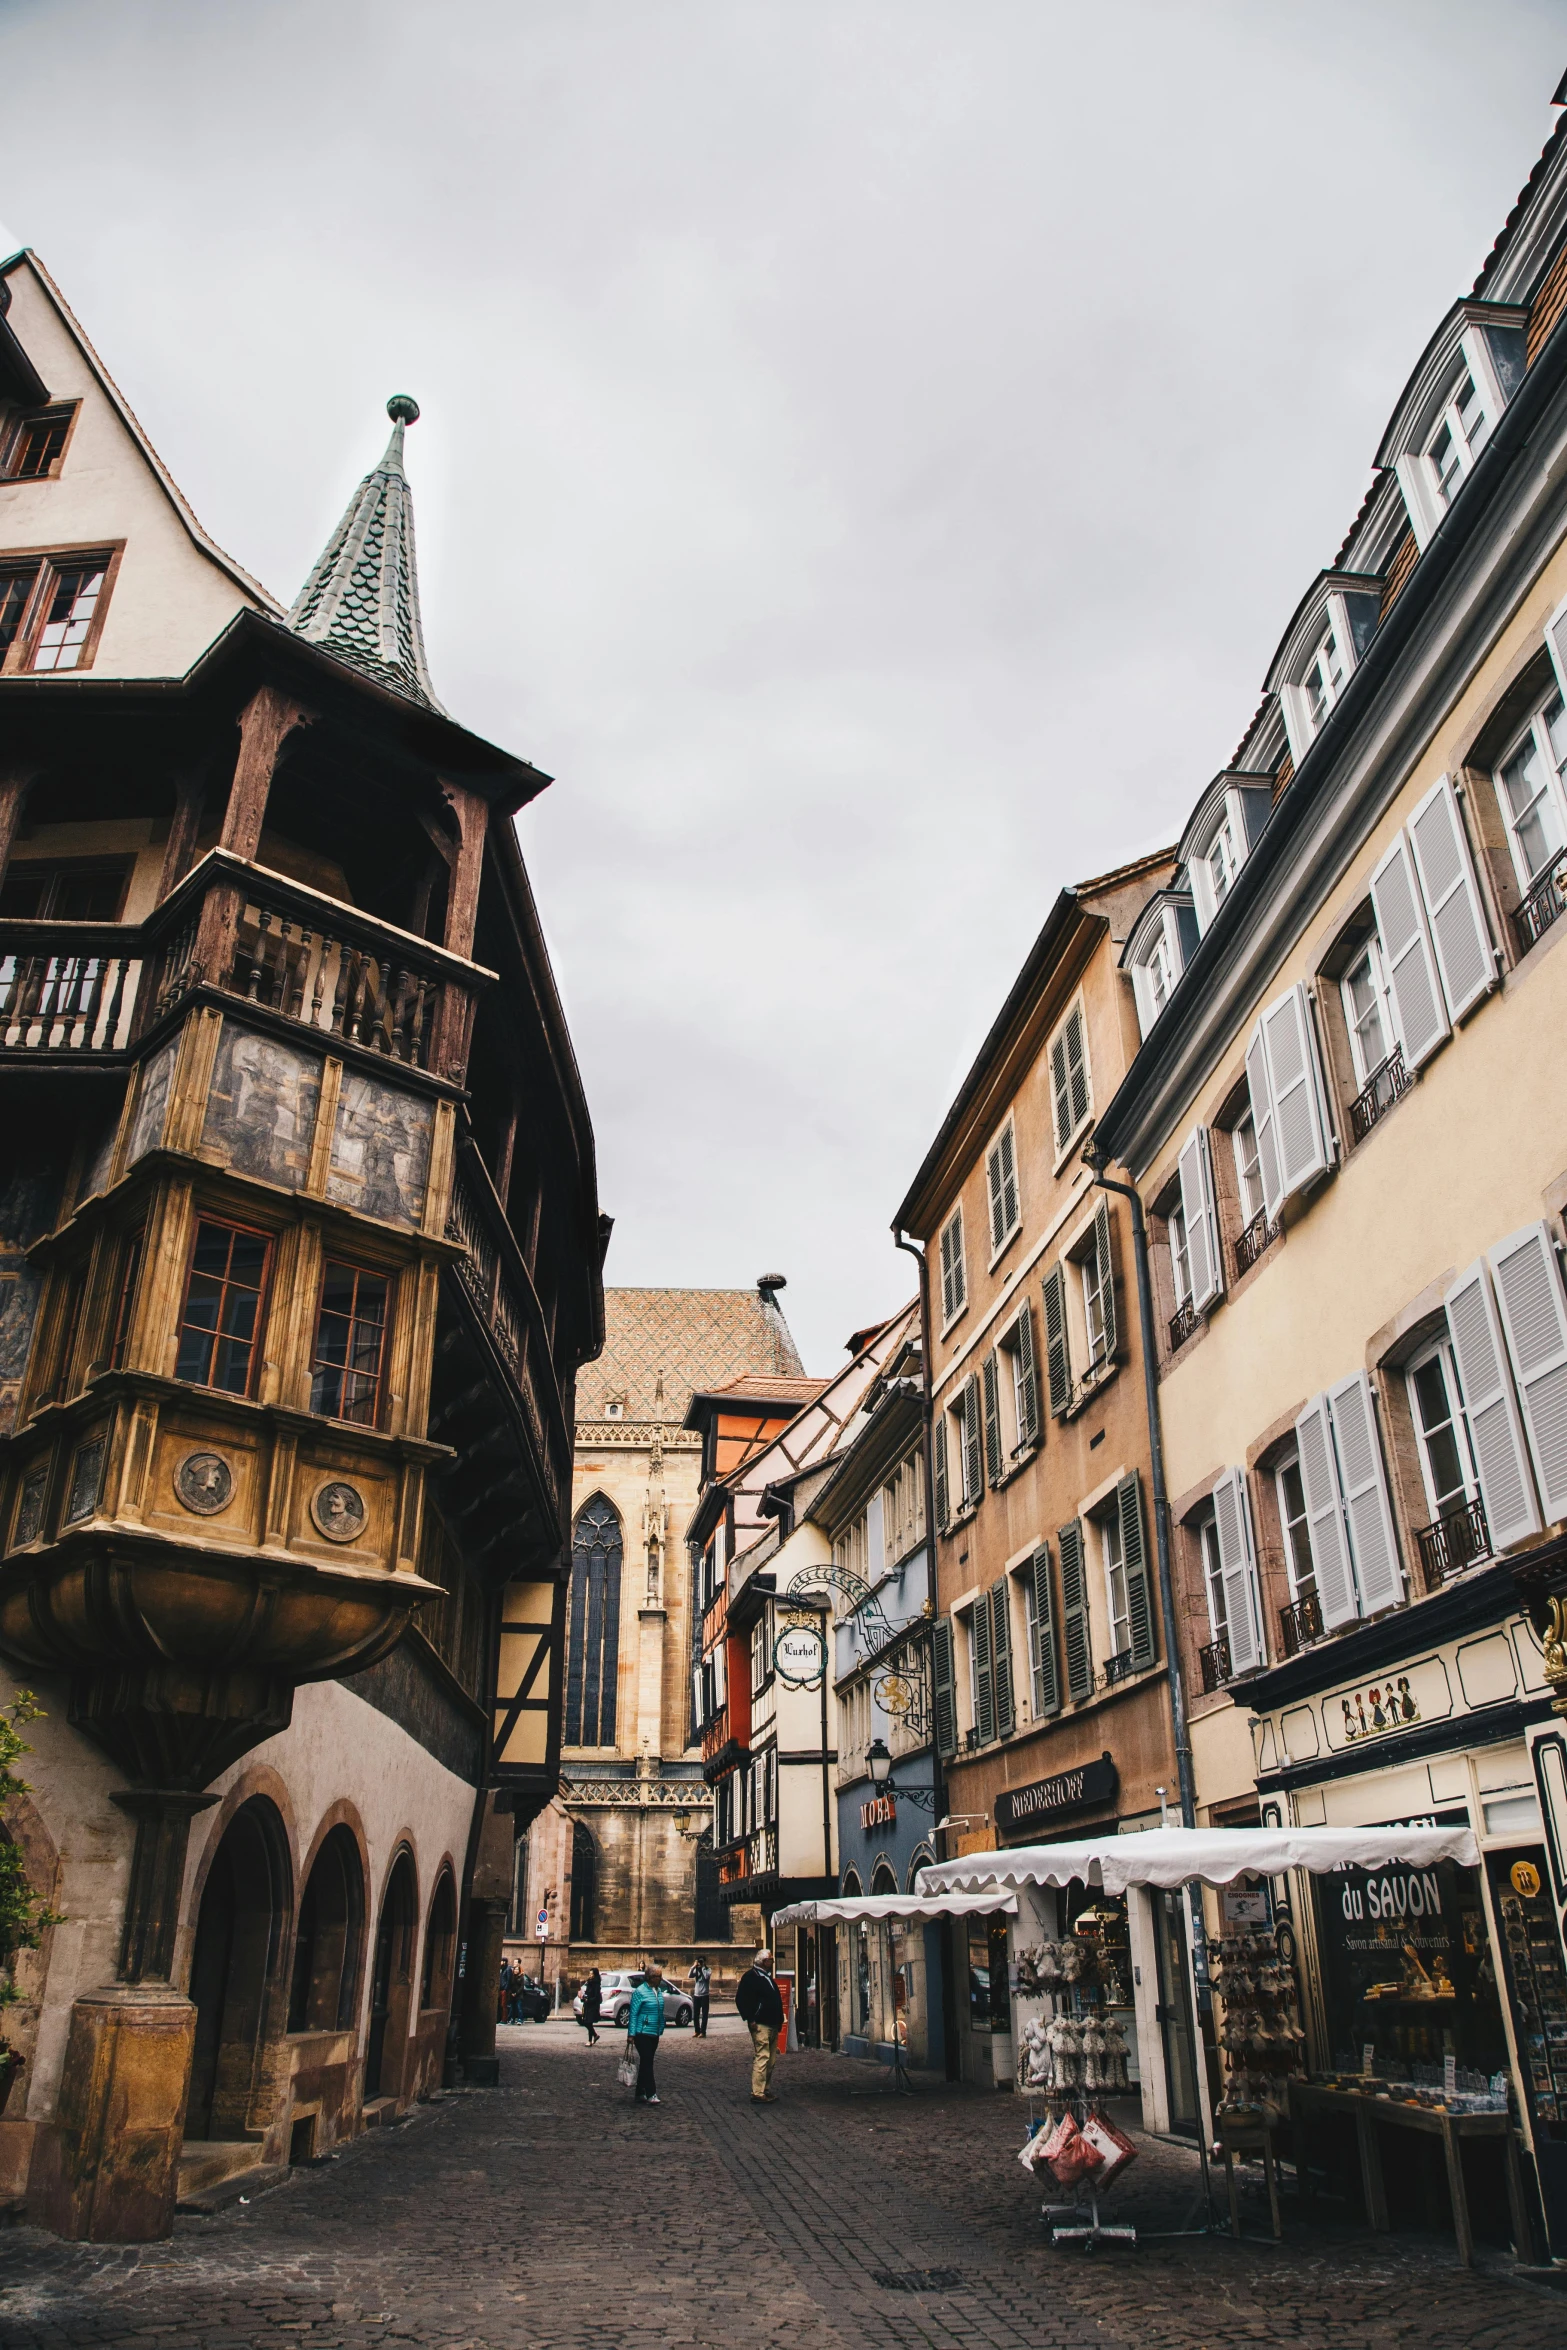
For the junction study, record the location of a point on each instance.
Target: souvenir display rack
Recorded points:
(1261, 2036)
(1070, 2056)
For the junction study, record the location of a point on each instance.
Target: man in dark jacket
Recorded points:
(760, 2002)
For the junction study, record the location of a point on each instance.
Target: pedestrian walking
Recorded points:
(646, 2029)
(701, 1981)
(503, 1992)
(760, 2002)
(592, 2004)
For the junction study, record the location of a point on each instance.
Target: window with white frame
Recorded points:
(761, 1652)
(1368, 1011)
(1462, 431)
(1002, 1187)
(1213, 1577)
(954, 1278)
(1530, 790)
(965, 1446)
(903, 1509)
(1180, 1255)
(1324, 678)
(1070, 1090)
(1098, 1300)
(1117, 1597)
(1293, 1526)
(852, 1547)
(1019, 1384)
(1222, 860)
(1248, 1168)
(1162, 941)
(1436, 1404)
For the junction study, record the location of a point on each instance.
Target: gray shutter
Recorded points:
(1464, 954)
(1134, 1551)
(993, 1179)
(1077, 1065)
(1261, 1099)
(943, 1687)
(1058, 1360)
(1001, 1659)
(973, 1445)
(1534, 1318)
(1411, 964)
(1027, 1383)
(1195, 1167)
(1330, 1557)
(1009, 1198)
(1061, 1088)
(1367, 1509)
(994, 1463)
(1501, 1462)
(938, 1464)
(1074, 1611)
(952, 1284)
(984, 1671)
(1238, 1572)
(1104, 1250)
(1300, 1134)
(1043, 1663)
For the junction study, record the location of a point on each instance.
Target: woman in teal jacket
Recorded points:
(646, 2024)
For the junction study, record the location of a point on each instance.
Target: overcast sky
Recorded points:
(869, 456)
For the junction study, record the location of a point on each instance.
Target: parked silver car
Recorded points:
(616, 1987)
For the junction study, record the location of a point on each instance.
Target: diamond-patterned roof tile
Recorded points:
(688, 1339)
(361, 601)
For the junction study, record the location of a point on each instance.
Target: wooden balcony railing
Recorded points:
(1258, 1235)
(1543, 906)
(1300, 1623)
(1456, 1540)
(1214, 1661)
(1381, 1090)
(495, 1278)
(68, 987)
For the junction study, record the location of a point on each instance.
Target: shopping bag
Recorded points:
(626, 2070)
(1111, 2143)
(1074, 2158)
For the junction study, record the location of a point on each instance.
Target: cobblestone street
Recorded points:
(553, 2213)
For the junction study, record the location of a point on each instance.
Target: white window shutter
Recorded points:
(1325, 1516)
(1534, 1319)
(1420, 498)
(1202, 1222)
(998, 1222)
(1300, 1134)
(1411, 964)
(1261, 1099)
(1238, 1571)
(1009, 1196)
(1501, 1461)
(1369, 1512)
(1556, 644)
(1296, 713)
(1464, 954)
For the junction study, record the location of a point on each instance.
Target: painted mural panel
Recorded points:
(29, 1204)
(157, 1075)
(261, 1110)
(380, 1150)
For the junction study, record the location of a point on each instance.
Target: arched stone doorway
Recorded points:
(440, 1946)
(329, 1942)
(236, 1973)
(584, 1883)
(391, 1981)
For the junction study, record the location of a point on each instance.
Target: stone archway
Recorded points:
(236, 1972)
(329, 1940)
(391, 1981)
(584, 1884)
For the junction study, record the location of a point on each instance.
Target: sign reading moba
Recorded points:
(1051, 1799)
(800, 1655)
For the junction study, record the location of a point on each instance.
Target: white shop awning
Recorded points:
(1217, 1856)
(912, 1906)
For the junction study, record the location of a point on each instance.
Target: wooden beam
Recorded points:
(462, 896)
(265, 724)
(184, 828)
(15, 784)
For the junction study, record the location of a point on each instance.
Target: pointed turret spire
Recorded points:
(362, 599)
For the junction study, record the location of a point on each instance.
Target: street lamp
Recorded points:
(878, 1761)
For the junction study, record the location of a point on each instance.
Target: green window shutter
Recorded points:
(1001, 1659)
(1044, 1663)
(992, 1382)
(952, 1275)
(1027, 1382)
(995, 1182)
(973, 1445)
(984, 1672)
(1104, 1251)
(1058, 1361)
(938, 1464)
(1134, 1550)
(1074, 1611)
(944, 1687)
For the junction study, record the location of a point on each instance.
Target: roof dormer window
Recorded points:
(1163, 939)
(1327, 640)
(1225, 827)
(1459, 438)
(1451, 406)
(1223, 862)
(1324, 680)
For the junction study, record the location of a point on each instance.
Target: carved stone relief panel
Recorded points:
(157, 1076)
(380, 1150)
(261, 1109)
(29, 1204)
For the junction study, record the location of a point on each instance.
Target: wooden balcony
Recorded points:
(494, 1278)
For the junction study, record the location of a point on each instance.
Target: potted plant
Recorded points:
(23, 1915)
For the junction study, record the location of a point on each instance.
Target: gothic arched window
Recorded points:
(593, 1649)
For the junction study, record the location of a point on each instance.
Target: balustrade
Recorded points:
(79, 1000)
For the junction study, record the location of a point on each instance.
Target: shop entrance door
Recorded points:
(1176, 2027)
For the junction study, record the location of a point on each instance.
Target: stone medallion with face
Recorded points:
(339, 1512)
(205, 1483)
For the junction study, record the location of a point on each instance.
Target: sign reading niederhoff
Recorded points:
(1051, 1799)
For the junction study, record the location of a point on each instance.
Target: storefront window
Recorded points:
(1407, 1975)
(1537, 1986)
(862, 1978)
(989, 1995)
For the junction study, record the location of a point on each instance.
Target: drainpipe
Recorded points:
(938, 1777)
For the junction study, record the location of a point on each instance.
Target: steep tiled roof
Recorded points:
(692, 1339)
(361, 602)
(754, 1387)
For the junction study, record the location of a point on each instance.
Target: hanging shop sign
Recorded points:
(880, 1812)
(1048, 1800)
(800, 1655)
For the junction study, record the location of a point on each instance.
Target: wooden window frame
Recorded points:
(360, 1271)
(263, 1302)
(18, 659)
(49, 413)
(1064, 1142)
(127, 1289)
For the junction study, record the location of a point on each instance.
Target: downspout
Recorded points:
(938, 1777)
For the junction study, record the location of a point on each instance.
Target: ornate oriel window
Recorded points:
(593, 1644)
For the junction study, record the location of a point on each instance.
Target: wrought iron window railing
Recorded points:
(1182, 1323)
(1544, 905)
(1458, 1538)
(1258, 1235)
(1214, 1661)
(1381, 1090)
(1300, 1623)
(1120, 1666)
